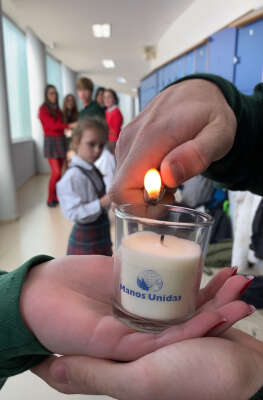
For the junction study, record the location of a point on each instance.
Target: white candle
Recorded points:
(159, 280)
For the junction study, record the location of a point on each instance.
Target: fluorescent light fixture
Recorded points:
(108, 63)
(101, 30)
(121, 79)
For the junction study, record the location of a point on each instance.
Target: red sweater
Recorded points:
(51, 126)
(114, 120)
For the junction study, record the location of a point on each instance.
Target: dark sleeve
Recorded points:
(258, 395)
(241, 168)
(19, 348)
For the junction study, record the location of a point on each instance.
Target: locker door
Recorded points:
(222, 48)
(179, 68)
(160, 79)
(148, 90)
(170, 73)
(152, 86)
(190, 63)
(201, 58)
(248, 70)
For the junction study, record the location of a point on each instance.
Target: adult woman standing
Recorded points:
(51, 119)
(114, 116)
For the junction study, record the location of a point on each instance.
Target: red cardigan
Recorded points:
(51, 126)
(114, 120)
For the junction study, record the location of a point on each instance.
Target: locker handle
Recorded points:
(236, 60)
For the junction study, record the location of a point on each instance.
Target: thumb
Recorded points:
(83, 375)
(194, 156)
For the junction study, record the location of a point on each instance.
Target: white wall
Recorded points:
(68, 78)
(200, 20)
(24, 160)
(126, 106)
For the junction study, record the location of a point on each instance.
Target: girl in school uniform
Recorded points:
(81, 192)
(114, 117)
(51, 119)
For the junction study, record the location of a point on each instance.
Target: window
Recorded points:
(17, 80)
(54, 75)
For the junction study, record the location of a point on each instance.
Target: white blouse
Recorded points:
(76, 194)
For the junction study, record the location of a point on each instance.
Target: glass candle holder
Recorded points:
(159, 257)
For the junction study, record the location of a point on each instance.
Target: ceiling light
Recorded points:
(108, 63)
(101, 30)
(121, 79)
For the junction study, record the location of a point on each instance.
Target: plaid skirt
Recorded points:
(55, 147)
(91, 238)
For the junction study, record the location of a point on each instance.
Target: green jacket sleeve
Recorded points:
(241, 168)
(19, 348)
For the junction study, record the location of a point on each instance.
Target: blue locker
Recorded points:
(180, 67)
(148, 90)
(222, 48)
(190, 63)
(248, 69)
(201, 58)
(170, 73)
(160, 79)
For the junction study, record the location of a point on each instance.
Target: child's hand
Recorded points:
(105, 201)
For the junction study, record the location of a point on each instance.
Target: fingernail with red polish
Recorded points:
(234, 270)
(250, 279)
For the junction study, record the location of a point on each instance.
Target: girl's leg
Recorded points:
(55, 165)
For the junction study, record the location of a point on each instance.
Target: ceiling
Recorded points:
(68, 23)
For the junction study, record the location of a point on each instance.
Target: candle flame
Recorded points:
(153, 183)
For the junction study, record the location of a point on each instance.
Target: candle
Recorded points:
(159, 280)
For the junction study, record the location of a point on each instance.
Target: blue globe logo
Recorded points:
(149, 280)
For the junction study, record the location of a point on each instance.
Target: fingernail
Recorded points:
(234, 270)
(250, 279)
(178, 172)
(252, 309)
(59, 372)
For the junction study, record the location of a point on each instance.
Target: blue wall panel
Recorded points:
(222, 47)
(180, 67)
(148, 90)
(248, 70)
(201, 59)
(190, 63)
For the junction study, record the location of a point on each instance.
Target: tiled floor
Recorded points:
(41, 230)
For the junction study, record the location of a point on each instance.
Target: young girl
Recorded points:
(51, 119)
(81, 192)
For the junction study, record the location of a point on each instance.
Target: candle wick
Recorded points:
(162, 239)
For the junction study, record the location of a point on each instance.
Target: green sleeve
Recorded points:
(19, 348)
(241, 168)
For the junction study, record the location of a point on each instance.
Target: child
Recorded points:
(81, 192)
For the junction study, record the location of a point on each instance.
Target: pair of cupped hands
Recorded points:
(66, 302)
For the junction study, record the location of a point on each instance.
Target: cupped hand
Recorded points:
(66, 303)
(228, 367)
(181, 132)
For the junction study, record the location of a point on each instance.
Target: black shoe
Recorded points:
(52, 204)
